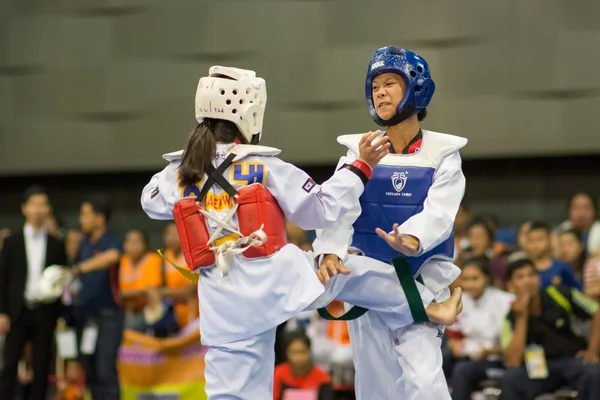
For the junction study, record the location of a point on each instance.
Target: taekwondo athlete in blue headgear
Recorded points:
(406, 217)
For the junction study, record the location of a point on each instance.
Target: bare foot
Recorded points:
(445, 313)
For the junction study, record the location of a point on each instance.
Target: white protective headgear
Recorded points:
(235, 95)
(53, 282)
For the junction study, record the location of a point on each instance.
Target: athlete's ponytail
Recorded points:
(201, 148)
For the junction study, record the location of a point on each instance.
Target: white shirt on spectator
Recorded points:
(35, 249)
(481, 320)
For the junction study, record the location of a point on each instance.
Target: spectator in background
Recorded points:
(55, 227)
(295, 234)
(542, 317)
(139, 271)
(23, 317)
(72, 241)
(4, 233)
(97, 304)
(551, 270)
(571, 250)
(176, 287)
(461, 224)
(522, 233)
(474, 341)
(582, 213)
(481, 241)
(298, 372)
(591, 278)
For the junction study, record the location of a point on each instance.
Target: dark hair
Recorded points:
(490, 219)
(573, 232)
(297, 334)
(517, 265)
(586, 194)
(143, 234)
(421, 115)
(464, 206)
(482, 263)
(35, 190)
(539, 226)
(479, 221)
(521, 224)
(201, 148)
(100, 205)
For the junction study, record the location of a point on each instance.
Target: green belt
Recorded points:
(407, 281)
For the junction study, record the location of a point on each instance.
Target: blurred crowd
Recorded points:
(530, 324)
(527, 289)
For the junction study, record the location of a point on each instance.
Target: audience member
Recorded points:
(539, 251)
(298, 372)
(23, 317)
(55, 227)
(176, 287)
(139, 271)
(522, 233)
(538, 332)
(296, 235)
(481, 242)
(582, 212)
(73, 240)
(591, 278)
(474, 341)
(97, 303)
(4, 233)
(571, 250)
(461, 223)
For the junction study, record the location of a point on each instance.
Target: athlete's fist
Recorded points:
(330, 266)
(372, 150)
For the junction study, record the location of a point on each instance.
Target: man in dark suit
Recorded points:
(23, 318)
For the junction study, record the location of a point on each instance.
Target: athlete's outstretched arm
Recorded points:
(313, 206)
(337, 238)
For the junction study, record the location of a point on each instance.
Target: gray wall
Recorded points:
(101, 85)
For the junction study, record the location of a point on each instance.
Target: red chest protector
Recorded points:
(260, 219)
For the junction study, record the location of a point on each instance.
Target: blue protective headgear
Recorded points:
(415, 72)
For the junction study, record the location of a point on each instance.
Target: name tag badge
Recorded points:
(89, 338)
(535, 362)
(66, 342)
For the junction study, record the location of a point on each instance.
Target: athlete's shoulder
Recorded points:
(174, 156)
(444, 140)
(246, 150)
(240, 150)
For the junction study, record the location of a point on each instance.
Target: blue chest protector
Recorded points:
(393, 195)
(396, 192)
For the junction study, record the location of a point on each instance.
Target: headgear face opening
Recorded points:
(235, 95)
(415, 72)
